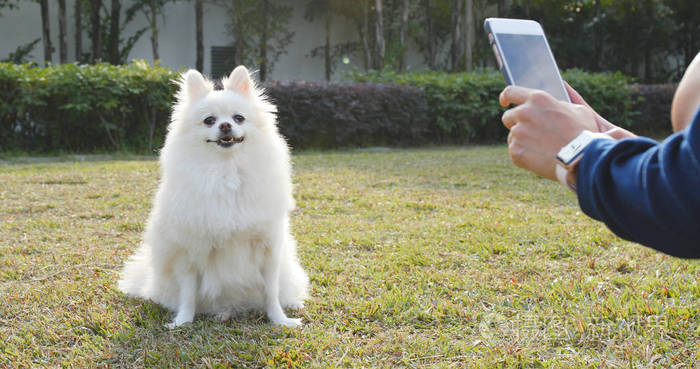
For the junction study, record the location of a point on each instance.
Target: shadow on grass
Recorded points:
(247, 340)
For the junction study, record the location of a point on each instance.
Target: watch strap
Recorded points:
(567, 177)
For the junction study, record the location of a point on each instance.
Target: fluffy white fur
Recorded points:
(217, 240)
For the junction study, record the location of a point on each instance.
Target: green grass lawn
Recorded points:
(445, 258)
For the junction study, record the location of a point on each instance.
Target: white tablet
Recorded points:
(524, 56)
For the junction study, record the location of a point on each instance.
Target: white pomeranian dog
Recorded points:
(217, 240)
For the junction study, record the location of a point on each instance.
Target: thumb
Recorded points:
(575, 97)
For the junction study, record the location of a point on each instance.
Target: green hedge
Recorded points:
(654, 107)
(326, 115)
(104, 108)
(465, 105)
(82, 108)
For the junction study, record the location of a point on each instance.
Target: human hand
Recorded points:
(540, 126)
(604, 125)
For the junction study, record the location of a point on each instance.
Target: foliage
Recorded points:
(79, 108)
(124, 43)
(7, 4)
(334, 114)
(148, 8)
(683, 37)
(103, 107)
(245, 25)
(324, 10)
(653, 40)
(152, 10)
(22, 53)
(337, 52)
(431, 258)
(319, 9)
(654, 102)
(650, 39)
(440, 14)
(356, 11)
(465, 106)
(610, 94)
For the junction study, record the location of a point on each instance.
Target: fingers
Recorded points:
(514, 95)
(518, 114)
(619, 133)
(575, 97)
(509, 118)
(515, 147)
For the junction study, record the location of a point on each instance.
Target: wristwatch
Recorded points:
(570, 155)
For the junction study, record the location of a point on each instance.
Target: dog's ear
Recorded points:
(193, 85)
(239, 81)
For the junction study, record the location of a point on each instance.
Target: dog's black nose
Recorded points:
(225, 127)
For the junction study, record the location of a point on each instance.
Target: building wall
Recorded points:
(177, 38)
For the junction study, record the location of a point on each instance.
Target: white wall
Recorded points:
(177, 38)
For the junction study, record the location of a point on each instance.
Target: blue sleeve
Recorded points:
(644, 191)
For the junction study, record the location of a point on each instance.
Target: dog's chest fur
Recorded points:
(223, 199)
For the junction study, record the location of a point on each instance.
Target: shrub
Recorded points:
(334, 114)
(653, 102)
(84, 108)
(103, 107)
(465, 105)
(610, 94)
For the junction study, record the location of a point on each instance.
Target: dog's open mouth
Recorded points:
(227, 141)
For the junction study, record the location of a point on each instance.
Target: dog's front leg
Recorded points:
(271, 277)
(187, 283)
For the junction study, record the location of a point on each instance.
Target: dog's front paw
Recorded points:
(171, 325)
(177, 323)
(223, 316)
(288, 322)
(295, 305)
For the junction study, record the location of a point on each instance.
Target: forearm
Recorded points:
(687, 97)
(646, 192)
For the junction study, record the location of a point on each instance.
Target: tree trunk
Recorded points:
(647, 50)
(430, 39)
(114, 32)
(198, 10)
(239, 53)
(95, 6)
(263, 42)
(501, 8)
(527, 8)
(78, 30)
(597, 38)
(364, 33)
(46, 31)
(402, 35)
(327, 48)
(455, 50)
(62, 48)
(468, 34)
(154, 31)
(379, 31)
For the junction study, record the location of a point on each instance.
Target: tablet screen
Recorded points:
(531, 64)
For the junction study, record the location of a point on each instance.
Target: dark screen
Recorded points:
(530, 64)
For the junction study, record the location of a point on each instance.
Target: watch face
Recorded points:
(573, 149)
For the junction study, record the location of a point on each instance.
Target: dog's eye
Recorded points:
(238, 118)
(209, 120)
